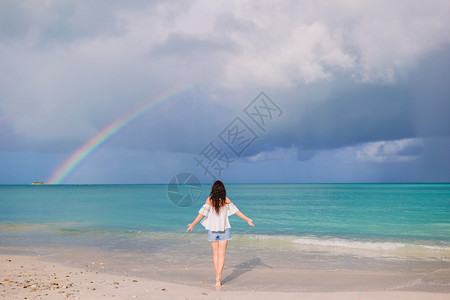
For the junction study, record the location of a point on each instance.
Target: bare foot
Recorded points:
(218, 283)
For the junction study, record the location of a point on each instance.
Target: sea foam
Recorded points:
(341, 243)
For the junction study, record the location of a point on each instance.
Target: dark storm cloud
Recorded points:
(352, 113)
(362, 113)
(430, 92)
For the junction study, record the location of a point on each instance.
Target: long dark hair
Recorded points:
(218, 195)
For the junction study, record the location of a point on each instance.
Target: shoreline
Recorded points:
(36, 277)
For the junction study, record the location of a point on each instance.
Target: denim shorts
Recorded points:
(214, 236)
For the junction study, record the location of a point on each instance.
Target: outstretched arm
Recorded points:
(242, 216)
(191, 226)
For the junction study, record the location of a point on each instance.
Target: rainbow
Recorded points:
(85, 151)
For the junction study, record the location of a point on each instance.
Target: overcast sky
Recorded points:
(358, 91)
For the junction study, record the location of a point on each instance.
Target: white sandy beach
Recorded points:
(30, 277)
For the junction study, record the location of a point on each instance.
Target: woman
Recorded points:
(216, 211)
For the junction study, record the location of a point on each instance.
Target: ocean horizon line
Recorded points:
(228, 183)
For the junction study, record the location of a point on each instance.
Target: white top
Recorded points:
(217, 222)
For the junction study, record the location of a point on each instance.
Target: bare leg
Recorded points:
(215, 248)
(221, 261)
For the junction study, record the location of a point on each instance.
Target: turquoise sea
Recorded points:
(136, 228)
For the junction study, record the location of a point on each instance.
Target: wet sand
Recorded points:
(31, 277)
